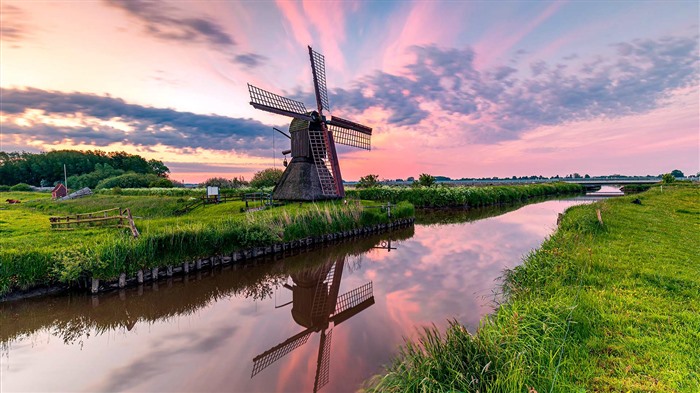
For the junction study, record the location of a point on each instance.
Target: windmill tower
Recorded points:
(314, 171)
(315, 304)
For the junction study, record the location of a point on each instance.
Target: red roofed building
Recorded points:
(59, 191)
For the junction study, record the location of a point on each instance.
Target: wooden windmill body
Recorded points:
(314, 171)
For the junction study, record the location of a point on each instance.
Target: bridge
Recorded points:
(612, 181)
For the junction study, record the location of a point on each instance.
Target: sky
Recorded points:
(453, 88)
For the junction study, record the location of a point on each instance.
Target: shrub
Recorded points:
(221, 182)
(368, 181)
(129, 180)
(668, 178)
(426, 180)
(161, 183)
(21, 187)
(4, 188)
(266, 178)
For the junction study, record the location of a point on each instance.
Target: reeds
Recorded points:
(105, 253)
(463, 196)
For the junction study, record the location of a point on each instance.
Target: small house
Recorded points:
(59, 191)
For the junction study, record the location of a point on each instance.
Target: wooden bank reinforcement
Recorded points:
(242, 257)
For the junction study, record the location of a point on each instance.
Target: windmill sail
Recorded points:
(271, 102)
(352, 303)
(318, 68)
(323, 364)
(349, 137)
(275, 353)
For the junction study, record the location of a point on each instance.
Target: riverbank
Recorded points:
(611, 306)
(33, 255)
(464, 197)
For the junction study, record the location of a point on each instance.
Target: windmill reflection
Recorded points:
(315, 304)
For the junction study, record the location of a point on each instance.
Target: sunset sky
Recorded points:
(457, 88)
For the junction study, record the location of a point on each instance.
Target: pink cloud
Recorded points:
(420, 27)
(501, 40)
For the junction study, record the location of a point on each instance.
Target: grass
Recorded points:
(603, 308)
(32, 254)
(463, 197)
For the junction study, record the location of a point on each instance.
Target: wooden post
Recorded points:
(95, 287)
(122, 280)
(600, 219)
(154, 274)
(139, 276)
(134, 231)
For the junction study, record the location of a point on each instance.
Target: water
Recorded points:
(268, 328)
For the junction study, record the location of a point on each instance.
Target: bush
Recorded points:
(266, 178)
(426, 180)
(4, 188)
(91, 179)
(668, 178)
(368, 181)
(221, 182)
(129, 180)
(21, 187)
(161, 183)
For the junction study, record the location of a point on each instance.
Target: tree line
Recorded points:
(46, 169)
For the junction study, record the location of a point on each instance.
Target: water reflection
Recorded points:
(315, 304)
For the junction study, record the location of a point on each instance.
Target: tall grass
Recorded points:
(439, 197)
(36, 255)
(599, 307)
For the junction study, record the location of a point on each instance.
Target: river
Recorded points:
(322, 320)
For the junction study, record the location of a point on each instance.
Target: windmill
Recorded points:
(314, 171)
(315, 304)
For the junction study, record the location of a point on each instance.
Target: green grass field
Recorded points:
(612, 307)
(31, 253)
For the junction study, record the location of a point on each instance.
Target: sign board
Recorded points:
(212, 191)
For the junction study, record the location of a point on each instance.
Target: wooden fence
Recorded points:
(117, 217)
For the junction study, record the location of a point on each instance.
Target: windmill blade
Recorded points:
(352, 303)
(318, 68)
(275, 353)
(271, 102)
(344, 123)
(349, 137)
(323, 364)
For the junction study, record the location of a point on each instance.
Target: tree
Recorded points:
(266, 178)
(426, 180)
(238, 182)
(668, 178)
(215, 182)
(158, 168)
(368, 181)
(128, 180)
(676, 173)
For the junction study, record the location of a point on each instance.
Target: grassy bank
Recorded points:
(612, 307)
(32, 254)
(463, 197)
